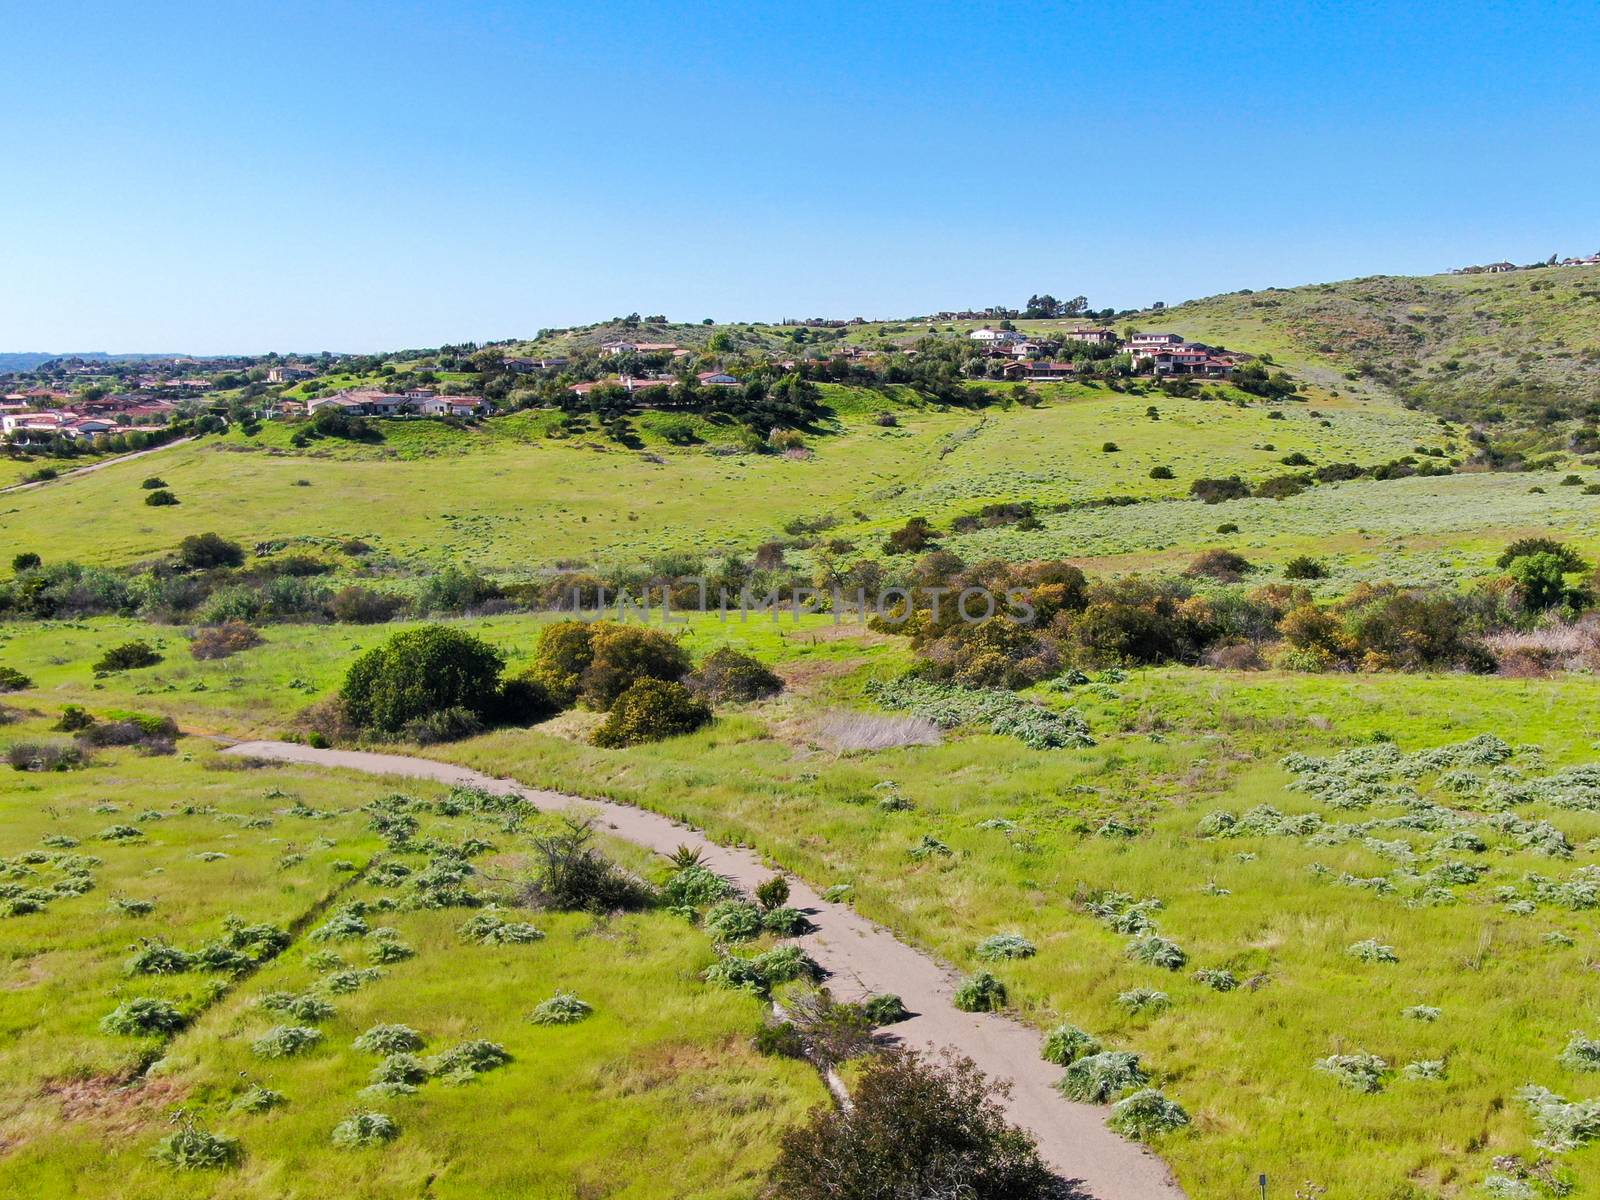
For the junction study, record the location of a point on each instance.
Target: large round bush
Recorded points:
(650, 710)
(418, 673)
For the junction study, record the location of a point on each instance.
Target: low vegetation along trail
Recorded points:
(861, 958)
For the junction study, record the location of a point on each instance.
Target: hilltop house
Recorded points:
(287, 374)
(1093, 335)
(1141, 345)
(716, 379)
(369, 402)
(615, 348)
(1038, 372)
(993, 336)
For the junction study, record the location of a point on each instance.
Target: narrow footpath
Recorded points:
(861, 958)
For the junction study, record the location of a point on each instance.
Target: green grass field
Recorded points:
(507, 499)
(661, 1072)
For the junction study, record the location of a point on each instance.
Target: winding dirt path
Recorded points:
(860, 958)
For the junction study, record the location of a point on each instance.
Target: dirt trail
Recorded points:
(860, 957)
(74, 472)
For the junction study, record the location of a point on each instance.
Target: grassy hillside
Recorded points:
(508, 497)
(1522, 346)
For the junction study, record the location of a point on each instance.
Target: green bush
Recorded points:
(1138, 1001)
(649, 711)
(916, 1127)
(258, 1099)
(194, 1149)
(160, 498)
(364, 1129)
(561, 1009)
(981, 993)
(772, 892)
(303, 1006)
(729, 676)
(460, 1063)
(885, 1009)
(1066, 1044)
(418, 674)
(153, 482)
(734, 921)
(1359, 1072)
(1004, 945)
(1157, 951)
(205, 551)
(572, 876)
(1303, 566)
(13, 680)
(129, 656)
(1096, 1078)
(286, 1041)
(389, 1039)
(1145, 1114)
(143, 1017)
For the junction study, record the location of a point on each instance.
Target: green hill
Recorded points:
(1519, 348)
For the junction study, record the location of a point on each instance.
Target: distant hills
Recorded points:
(1523, 346)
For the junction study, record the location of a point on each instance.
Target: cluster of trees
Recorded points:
(1052, 617)
(438, 683)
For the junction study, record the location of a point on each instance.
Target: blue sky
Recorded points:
(245, 177)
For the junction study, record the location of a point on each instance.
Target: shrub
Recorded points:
(489, 928)
(784, 921)
(356, 605)
(419, 673)
(26, 561)
(153, 482)
(1144, 1000)
(915, 536)
(773, 892)
(129, 656)
(1566, 557)
(1096, 1078)
(1162, 473)
(561, 1009)
(161, 498)
(1066, 1044)
(1225, 566)
(1581, 1054)
(460, 1063)
(194, 1149)
(727, 675)
(447, 725)
(1109, 448)
(649, 711)
(1004, 945)
(572, 876)
(389, 1039)
(1425, 1069)
(885, 1009)
(159, 958)
(364, 1129)
(285, 1041)
(44, 756)
(981, 992)
(391, 951)
(223, 641)
(144, 1017)
(1157, 951)
(734, 921)
(1359, 1072)
(1426, 1012)
(694, 886)
(205, 551)
(1215, 491)
(1217, 979)
(304, 1006)
(258, 1099)
(1562, 1124)
(621, 656)
(402, 1071)
(13, 680)
(916, 1126)
(779, 1039)
(1146, 1113)
(1372, 951)
(1303, 566)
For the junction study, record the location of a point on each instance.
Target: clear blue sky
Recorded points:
(244, 177)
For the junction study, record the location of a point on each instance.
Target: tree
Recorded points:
(917, 1127)
(203, 551)
(419, 673)
(1540, 580)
